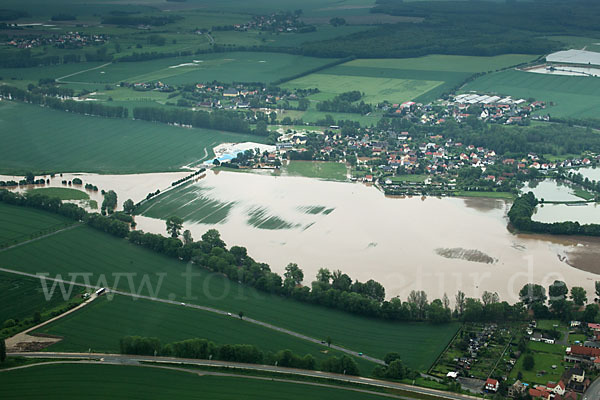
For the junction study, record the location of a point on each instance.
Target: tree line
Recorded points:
(523, 209)
(330, 289)
(218, 119)
(79, 107)
(346, 103)
(243, 353)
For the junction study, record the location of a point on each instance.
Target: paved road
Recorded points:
(12, 343)
(593, 392)
(204, 308)
(136, 360)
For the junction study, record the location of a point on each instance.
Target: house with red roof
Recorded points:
(492, 385)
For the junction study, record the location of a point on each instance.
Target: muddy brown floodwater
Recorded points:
(394, 241)
(440, 245)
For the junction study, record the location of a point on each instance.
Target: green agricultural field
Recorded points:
(103, 323)
(20, 223)
(376, 89)
(21, 297)
(70, 251)
(333, 171)
(95, 144)
(223, 67)
(61, 193)
(572, 96)
(74, 381)
(399, 80)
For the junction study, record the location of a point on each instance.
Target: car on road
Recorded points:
(183, 304)
(229, 314)
(360, 354)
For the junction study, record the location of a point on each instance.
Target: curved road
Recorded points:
(137, 360)
(204, 308)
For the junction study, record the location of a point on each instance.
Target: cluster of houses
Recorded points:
(145, 86)
(70, 40)
(276, 22)
(495, 109)
(572, 382)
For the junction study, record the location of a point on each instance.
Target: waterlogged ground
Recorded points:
(438, 245)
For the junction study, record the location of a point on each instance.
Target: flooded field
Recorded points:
(129, 186)
(434, 244)
(551, 190)
(438, 245)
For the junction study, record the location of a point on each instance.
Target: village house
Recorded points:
(492, 385)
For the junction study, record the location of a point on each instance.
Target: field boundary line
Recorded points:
(129, 359)
(76, 225)
(59, 80)
(202, 308)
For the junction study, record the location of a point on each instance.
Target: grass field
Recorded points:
(20, 223)
(409, 178)
(572, 96)
(222, 67)
(491, 195)
(101, 324)
(74, 381)
(399, 80)
(21, 297)
(70, 251)
(51, 140)
(333, 171)
(61, 193)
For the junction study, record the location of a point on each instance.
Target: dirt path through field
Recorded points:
(23, 341)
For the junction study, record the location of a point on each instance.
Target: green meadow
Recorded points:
(74, 381)
(52, 140)
(103, 323)
(86, 250)
(398, 80)
(571, 96)
(21, 297)
(222, 67)
(20, 224)
(61, 193)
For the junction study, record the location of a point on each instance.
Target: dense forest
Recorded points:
(474, 28)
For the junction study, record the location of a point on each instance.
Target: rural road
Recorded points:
(60, 80)
(593, 392)
(12, 343)
(136, 360)
(204, 308)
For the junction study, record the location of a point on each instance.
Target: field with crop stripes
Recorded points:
(222, 67)
(397, 80)
(104, 322)
(69, 381)
(20, 224)
(52, 140)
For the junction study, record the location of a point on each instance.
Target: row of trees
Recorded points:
(346, 103)
(79, 107)
(218, 119)
(245, 353)
(523, 208)
(330, 289)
